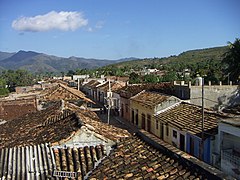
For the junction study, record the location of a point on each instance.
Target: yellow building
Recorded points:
(145, 106)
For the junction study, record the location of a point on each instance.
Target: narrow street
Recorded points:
(116, 121)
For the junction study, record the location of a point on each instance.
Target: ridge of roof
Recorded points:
(75, 92)
(108, 131)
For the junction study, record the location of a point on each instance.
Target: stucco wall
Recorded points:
(143, 110)
(213, 95)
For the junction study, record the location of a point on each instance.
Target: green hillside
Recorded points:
(186, 59)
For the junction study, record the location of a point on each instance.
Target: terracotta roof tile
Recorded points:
(132, 90)
(134, 159)
(92, 83)
(53, 125)
(149, 98)
(188, 117)
(88, 117)
(61, 91)
(114, 86)
(50, 125)
(79, 159)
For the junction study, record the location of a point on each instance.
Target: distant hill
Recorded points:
(188, 57)
(39, 62)
(4, 55)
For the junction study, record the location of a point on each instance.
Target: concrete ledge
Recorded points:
(191, 161)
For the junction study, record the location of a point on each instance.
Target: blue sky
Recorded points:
(114, 29)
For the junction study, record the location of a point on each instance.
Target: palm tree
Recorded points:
(232, 61)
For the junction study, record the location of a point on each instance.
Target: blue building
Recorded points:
(194, 145)
(182, 128)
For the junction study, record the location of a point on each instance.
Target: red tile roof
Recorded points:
(149, 98)
(132, 90)
(188, 117)
(61, 91)
(133, 158)
(54, 126)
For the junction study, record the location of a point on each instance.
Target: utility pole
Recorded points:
(109, 100)
(202, 143)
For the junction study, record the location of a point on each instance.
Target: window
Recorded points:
(174, 133)
(136, 117)
(148, 122)
(156, 124)
(143, 121)
(167, 129)
(133, 116)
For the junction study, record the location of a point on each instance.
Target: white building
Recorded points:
(76, 77)
(229, 146)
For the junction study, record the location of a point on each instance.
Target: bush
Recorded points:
(4, 91)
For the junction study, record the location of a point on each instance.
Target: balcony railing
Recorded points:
(232, 156)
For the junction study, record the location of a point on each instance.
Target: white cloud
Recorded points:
(64, 21)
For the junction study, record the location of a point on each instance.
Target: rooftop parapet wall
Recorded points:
(215, 96)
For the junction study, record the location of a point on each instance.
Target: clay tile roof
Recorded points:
(135, 159)
(79, 159)
(54, 125)
(50, 125)
(92, 83)
(61, 91)
(87, 117)
(188, 117)
(149, 98)
(132, 90)
(114, 86)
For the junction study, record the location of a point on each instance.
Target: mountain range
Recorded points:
(39, 62)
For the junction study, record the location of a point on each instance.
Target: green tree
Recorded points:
(3, 90)
(170, 77)
(17, 78)
(134, 78)
(232, 61)
(151, 78)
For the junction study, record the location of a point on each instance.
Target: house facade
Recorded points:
(145, 105)
(181, 126)
(131, 90)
